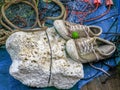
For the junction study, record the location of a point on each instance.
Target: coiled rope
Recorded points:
(11, 28)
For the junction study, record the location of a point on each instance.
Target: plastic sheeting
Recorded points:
(108, 23)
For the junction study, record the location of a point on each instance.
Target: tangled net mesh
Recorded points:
(21, 15)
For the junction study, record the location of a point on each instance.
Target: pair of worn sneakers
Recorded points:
(83, 42)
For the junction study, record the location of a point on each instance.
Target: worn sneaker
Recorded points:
(89, 49)
(69, 30)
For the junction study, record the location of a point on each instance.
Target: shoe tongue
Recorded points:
(93, 41)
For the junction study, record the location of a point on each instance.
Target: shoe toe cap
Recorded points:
(72, 50)
(61, 29)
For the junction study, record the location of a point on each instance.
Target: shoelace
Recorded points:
(74, 27)
(86, 46)
(100, 69)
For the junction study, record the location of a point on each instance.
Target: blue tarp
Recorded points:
(7, 82)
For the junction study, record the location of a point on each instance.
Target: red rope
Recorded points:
(100, 16)
(108, 3)
(84, 14)
(66, 12)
